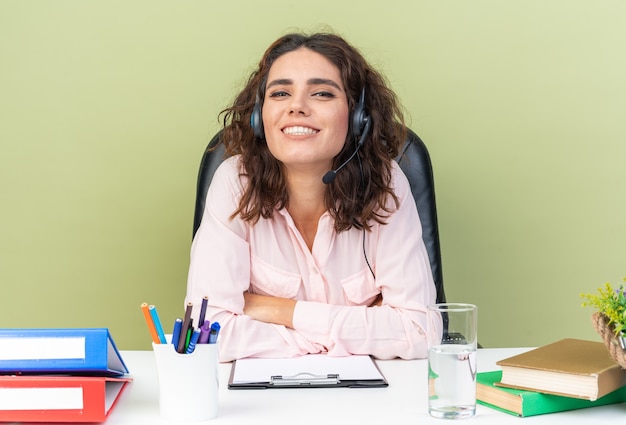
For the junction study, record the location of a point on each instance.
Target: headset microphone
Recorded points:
(330, 176)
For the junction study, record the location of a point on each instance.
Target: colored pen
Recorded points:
(193, 341)
(150, 323)
(188, 337)
(157, 324)
(205, 329)
(183, 334)
(178, 326)
(205, 302)
(215, 331)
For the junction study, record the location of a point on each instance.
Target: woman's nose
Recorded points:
(299, 105)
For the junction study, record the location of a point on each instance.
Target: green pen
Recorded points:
(188, 338)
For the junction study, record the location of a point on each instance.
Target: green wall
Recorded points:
(106, 107)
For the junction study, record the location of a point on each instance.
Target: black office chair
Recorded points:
(414, 161)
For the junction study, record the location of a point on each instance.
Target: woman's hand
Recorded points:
(269, 309)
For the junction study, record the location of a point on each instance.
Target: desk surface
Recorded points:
(404, 401)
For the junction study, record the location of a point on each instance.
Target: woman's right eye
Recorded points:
(279, 93)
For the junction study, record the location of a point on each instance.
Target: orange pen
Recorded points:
(151, 327)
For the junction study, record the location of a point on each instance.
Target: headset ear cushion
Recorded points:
(358, 117)
(256, 121)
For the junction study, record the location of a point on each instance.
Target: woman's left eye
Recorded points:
(323, 94)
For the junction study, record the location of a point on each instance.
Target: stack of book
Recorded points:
(565, 375)
(59, 375)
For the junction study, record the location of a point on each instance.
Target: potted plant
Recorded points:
(609, 319)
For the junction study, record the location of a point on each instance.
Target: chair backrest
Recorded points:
(414, 161)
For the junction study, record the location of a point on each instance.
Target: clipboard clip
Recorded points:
(305, 378)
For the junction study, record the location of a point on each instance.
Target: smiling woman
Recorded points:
(296, 263)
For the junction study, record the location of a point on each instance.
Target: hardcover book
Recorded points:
(568, 367)
(530, 403)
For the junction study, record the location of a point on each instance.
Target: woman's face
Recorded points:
(305, 111)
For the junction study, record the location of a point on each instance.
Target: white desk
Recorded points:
(403, 402)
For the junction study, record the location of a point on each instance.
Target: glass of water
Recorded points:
(452, 343)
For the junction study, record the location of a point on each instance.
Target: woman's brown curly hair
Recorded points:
(362, 191)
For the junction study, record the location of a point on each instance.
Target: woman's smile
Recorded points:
(299, 131)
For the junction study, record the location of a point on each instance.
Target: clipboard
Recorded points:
(308, 371)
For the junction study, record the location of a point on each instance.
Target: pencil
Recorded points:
(205, 302)
(157, 324)
(183, 334)
(150, 323)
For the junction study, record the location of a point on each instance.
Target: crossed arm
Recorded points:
(275, 309)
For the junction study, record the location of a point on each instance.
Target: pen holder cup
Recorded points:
(188, 383)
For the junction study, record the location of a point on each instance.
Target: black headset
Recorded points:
(256, 120)
(358, 118)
